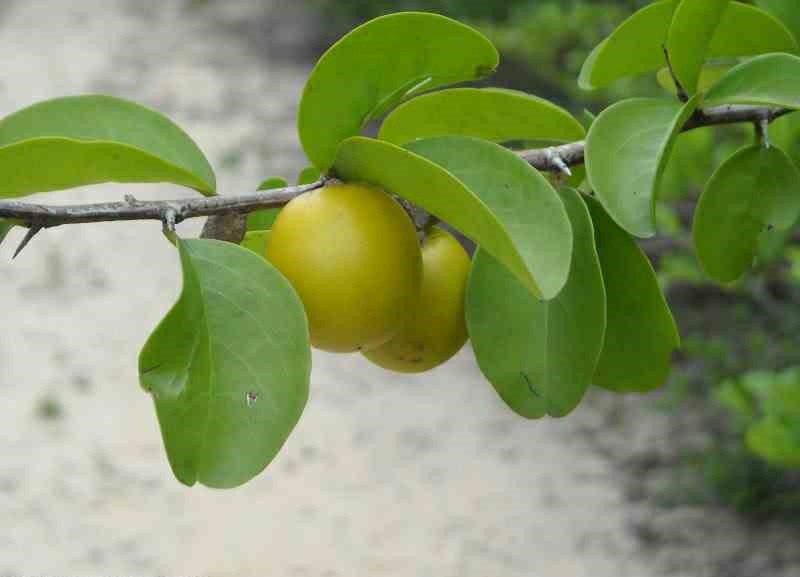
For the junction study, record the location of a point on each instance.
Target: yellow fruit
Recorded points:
(435, 329)
(351, 253)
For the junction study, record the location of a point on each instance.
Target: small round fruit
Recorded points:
(435, 329)
(351, 253)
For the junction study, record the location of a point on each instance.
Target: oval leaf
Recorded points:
(636, 46)
(755, 190)
(229, 366)
(626, 151)
(640, 330)
(81, 140)
(488, 113)
(689, 38)
(771, 80)
(540, 356)
(377, 66)
(263, 219)
(484, 190)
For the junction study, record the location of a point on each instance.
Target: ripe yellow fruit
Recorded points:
(351, 252)
(435, 329)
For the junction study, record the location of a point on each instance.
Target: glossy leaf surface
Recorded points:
(480, 188)
(636, 45)
(228, 367)
(770, 80)
(689, 38)
(488, 113)
(626, 151)
(82, 140)
(540, 356)
(755, 190)
(640, 330)
(377, 66)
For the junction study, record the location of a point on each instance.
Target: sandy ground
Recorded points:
(385, 475)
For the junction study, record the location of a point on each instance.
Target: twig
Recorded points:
(42, 216)
(679, 89)
(552, 159)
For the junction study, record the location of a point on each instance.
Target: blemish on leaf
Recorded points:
(251, 397)
(530, 385)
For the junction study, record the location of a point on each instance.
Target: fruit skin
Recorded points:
(351, 253)
(435, 329)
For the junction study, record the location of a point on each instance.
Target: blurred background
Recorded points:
(386, 475)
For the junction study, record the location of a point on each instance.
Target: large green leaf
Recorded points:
(636, 46)
(640, 331)
(229, 366)
(755, 190)
(626, 151)
(377, 66)
(480, 188)
(540, 356)
(263, 219)
(488, 113)
(82, 140)
(689, 38)
(770, 79)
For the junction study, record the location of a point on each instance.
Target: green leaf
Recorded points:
(770, 80)
(540, 356)
(627, 149)
(81, 140)
(378, 65)
(229, 365)
(784, 10)
(488, 113)
(776, 440)
(308, 175)
(640, 331)
(5, 228)
(482, 189)
(636, 46)
(263, 219)
(755, 190)
(689, 38)
(256, 240)
(588, 118)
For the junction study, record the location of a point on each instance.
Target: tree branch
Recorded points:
(551, 159)
(131, 209)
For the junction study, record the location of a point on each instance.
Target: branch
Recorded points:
(551, 159)
(37, 215)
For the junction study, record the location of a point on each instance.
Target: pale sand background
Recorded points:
(386, 475)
